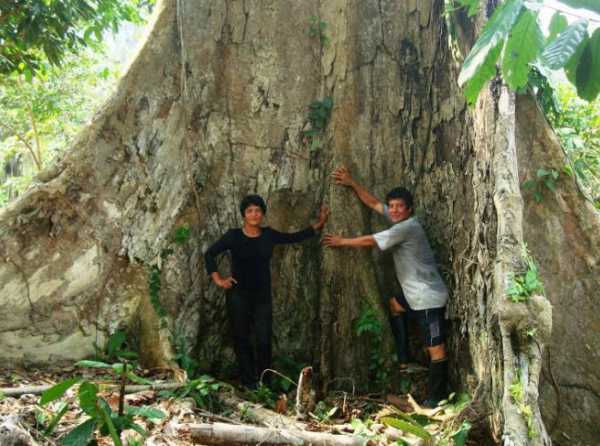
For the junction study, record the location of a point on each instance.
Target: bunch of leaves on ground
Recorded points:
(445, 427)
(101, 417)
(204, 390)
(513, 40)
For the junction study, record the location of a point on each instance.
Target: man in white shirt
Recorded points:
(424, 294)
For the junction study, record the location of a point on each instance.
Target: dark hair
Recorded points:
(400, 193)
(255, 200)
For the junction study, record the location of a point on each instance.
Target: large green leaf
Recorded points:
(80, 436)
(481, 60)
(524, 44)
(557, 25)
(460, 437)
(94, 364)
(145, 412)
(571, 65)
(486, 72)
(56, 418)
(405, 426)
(88, 398)
(115, 342)
(471, 5)
(587, 79)
(105, 413)
(591, 5)
(558, 53)
(58, 390)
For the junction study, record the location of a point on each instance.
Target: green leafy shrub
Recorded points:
(545, 179)
(319, 113)
(101, 417)
(523, 286)
(317, 28)
(368, 324)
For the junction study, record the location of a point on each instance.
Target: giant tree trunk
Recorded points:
(214, 108)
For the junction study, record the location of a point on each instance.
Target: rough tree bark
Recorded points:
(213, 108)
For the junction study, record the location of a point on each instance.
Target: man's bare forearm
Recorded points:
(364, 241)
(365, 196)
(335, 241)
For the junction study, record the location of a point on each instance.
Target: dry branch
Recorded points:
(220, 433)
(36, 390)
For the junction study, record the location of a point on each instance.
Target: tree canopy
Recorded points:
(513, 40)
(35, 31)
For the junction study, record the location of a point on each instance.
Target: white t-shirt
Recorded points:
(414, 262)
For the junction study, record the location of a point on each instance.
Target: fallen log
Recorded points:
(134, 388)
(229, 434)
(13, 434)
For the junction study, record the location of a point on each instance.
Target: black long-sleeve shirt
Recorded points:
(251, 256)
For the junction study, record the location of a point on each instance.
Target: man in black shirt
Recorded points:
(249, 285)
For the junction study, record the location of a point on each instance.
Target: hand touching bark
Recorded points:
(323, 216)
(342, 176)
(332, 240)
(225, 283)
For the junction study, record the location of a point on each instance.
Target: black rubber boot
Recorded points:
(437, 385)
(400, 331)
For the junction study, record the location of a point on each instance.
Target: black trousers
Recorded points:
(247, 312)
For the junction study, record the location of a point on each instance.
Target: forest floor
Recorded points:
(169, 417)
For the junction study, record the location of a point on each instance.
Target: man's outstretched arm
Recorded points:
(335, 241)
(342, 176)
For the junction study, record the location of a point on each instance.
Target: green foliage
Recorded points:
(512, 37)
(459, 437)
(323, 412)
(154, 286)
(39, 32)
(523, 286)
(182, 356)
(472, 6)
(319, 113)
(522, 46)
(557, 25)
(578, 126)
(561, 49)
(480, 64)
(317, 28)
(587, 75)
(40, 119)
(116, 348)
(263, 395)
(285, 366)
(81, 435)
(543, 90)
(61, 411)
(117, 367)
(182, 235)
(517, 393)
(545, 179)
(203, 390)
(407, 426)
(591, 5)
(368, 324)
(101, 416)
